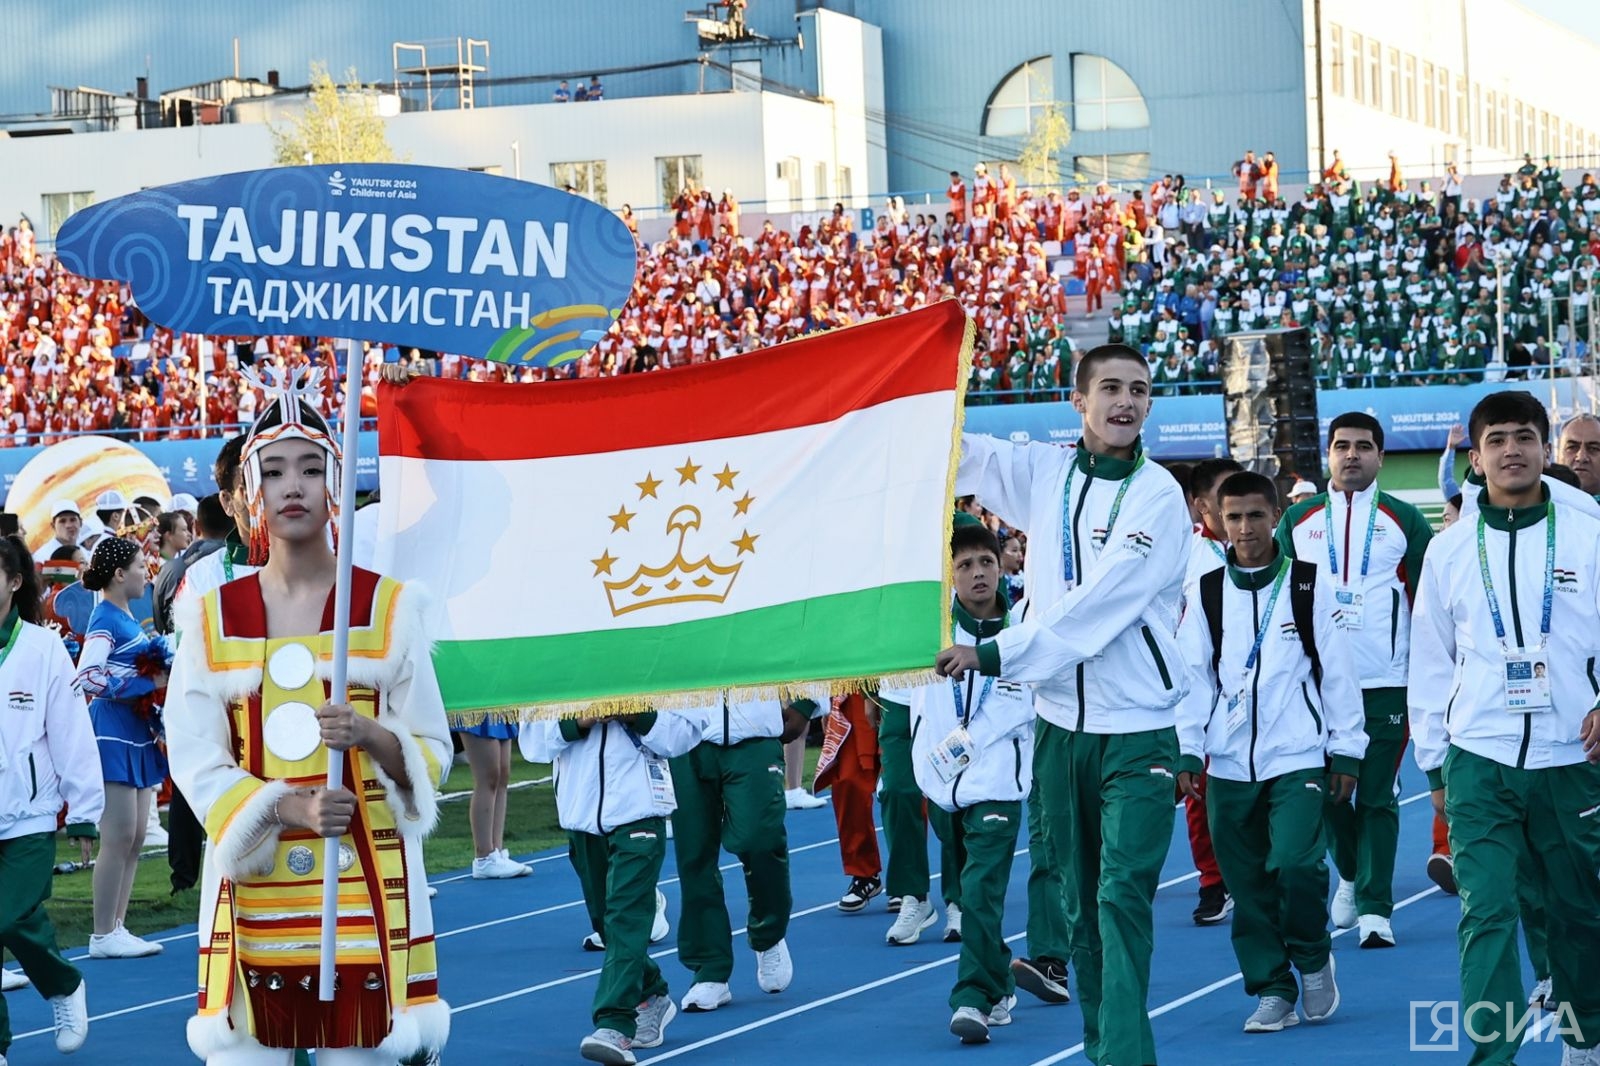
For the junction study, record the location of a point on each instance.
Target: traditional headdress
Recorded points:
(290, 413)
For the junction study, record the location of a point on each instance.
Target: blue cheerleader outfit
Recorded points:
(109, 678)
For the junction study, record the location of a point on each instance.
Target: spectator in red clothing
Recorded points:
(1269, 177)
(956, 194)
(1248, 171)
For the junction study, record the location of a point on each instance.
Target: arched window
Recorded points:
(1019, 98)
(1104, 97)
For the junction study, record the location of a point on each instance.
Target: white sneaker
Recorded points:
(660, 927)
(155, 835)
(13, 981)
(594, 942)
(774, 968)
(798, 799)
(433, 890)
(1543, 996)
(506, 855)
(706, 996)
(71, 1019)
(121, 944)
(1375, 932)
(1000, 1013)
(1571, 1056)
(970, 1025)
(915, 916)
(952, 924)
(497, 866)
(1343, 909)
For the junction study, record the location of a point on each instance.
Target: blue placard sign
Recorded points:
(426, 257)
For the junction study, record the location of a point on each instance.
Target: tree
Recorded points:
(1041, 156)
(337, 126)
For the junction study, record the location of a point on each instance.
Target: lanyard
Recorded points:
(1266, 616)
(1221, 552)
(227, 564)
(1548, 602)
(963, 711)
(1366, 550)
(11, 641)
(1067, 568)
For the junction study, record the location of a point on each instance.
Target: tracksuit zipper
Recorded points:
(1394, 622)
(1255, 681)
(600, 804)
(1516, 625)
(1077, 553)
(1315, 717)
(1593, 683)
(1155, 653)
(1016, 747)
(33, 779)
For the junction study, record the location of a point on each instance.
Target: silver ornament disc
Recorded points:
(291, 666)
(301, 860)
(347, 857)
(291, 731)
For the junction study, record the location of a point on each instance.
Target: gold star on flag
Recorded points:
(746, 543)
(602, 565)
(743, 506)
(687, 471)
(621, 519)
(725, 479)
(648, 486)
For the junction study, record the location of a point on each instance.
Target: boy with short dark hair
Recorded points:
(972, 753)
(1273, 693)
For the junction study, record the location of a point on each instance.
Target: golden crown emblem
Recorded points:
(680, 579)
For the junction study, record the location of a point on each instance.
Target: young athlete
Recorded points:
(1371, 545)
(613, 796)
(972, 753)
(1109, 535)
(249, 731)
(47, 757)
(1511, 750)
(1273, 695)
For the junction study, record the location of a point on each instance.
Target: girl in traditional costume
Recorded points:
(249, 729)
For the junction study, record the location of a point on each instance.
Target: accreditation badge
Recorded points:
(1527, 676)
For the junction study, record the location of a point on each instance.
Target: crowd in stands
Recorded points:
(1396, 281)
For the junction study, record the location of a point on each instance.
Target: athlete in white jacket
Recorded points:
(1504, 653)
(613, 795)
(1270, 717)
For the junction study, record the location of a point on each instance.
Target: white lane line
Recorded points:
(112, 1014)
(451, 797)
(1200, 993)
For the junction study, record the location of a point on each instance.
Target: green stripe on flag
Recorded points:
(878, 631)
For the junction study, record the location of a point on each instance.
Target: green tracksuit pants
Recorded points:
(1365, 835)
(1108, 823)
(1269, 842)
(618, 872)
(905, 819)
(729, 797)
(26, 932)
(1498, 814)
(989, 835)
(1047, 900)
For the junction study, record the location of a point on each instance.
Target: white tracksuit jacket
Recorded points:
(47, 749)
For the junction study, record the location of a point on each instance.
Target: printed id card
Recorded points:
(1238, 711)
(952, 756)
(1527, 682)
(662, 793)
(1350, 608)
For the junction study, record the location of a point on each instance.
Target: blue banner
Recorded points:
(1415, 418)
(186, 464)
(426, 257)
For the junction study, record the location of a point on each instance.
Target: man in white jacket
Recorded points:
(613, 796)
(1109, 537)
(1502, 701)
(972, 754)
(1270, 716)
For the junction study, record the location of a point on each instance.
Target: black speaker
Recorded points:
(1270, 403)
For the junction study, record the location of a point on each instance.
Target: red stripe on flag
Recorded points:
(802, 383)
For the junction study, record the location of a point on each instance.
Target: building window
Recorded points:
(1427, 95)
(789, 175)
(1567, 150)
(675, 173)
(819, 177)
(1018, 99)
(1104, 97)
(58, 207)
(1505, 112)
(1521, 132)
(588, 179)
(1128, 166)
(1394, 82)
(846, 186)
(1336, 59)
(1441, 98)
(1408, 87)
(1463, 106)
(1358, 68)
(1375, 70)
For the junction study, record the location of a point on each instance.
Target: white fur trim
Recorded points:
(210, 1033)
(416, 809)
(425, 1027)
(222, 685)
(247, 847)
(410, 630)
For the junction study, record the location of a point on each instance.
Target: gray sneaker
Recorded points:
(1571, 1056)
(1319, 993)
(971, 1025)
(654, 1015)
(1000, 1013)
(609, 1047)
(1273, 1014)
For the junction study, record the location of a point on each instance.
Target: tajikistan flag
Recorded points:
(773, 524)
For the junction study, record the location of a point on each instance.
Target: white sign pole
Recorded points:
(340, 689)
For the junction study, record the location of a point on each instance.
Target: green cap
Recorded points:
(962, 518)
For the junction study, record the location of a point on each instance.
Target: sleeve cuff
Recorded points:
(989, 659)
(643, 722)
(1347, 765)
(571, 732)
(1436, 779)
(82, 829)
(806, 707)
(1192, 764)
